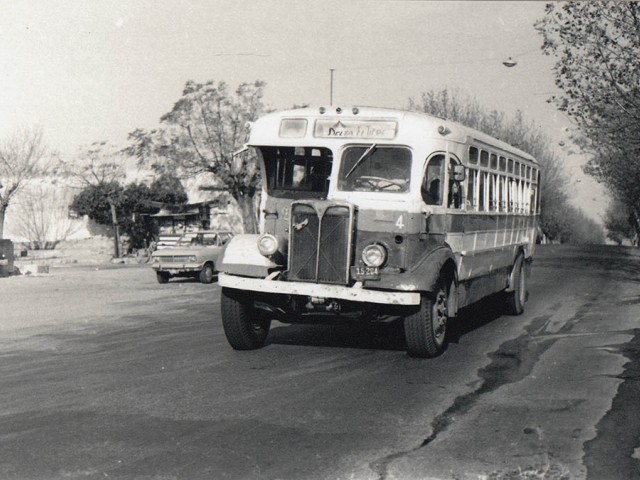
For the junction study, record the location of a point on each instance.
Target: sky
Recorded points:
(88, 70)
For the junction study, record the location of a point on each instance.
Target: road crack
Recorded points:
(611, 453)
(513, 361)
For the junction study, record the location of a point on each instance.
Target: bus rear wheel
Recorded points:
(518, 296)
(244, 328)
(425, 329)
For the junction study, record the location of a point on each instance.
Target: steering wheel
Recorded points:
(379, 183)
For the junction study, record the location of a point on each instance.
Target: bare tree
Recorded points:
(44, 218)
(23, 157)
(518, 131)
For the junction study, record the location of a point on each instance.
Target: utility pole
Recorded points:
(116, 228)
(331, 87)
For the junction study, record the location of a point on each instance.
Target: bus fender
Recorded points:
(241, 256)
(428, 272)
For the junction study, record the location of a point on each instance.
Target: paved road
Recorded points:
(106, 374)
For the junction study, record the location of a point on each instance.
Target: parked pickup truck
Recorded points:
(195, 254)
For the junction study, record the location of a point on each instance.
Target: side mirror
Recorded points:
(458, 173)
(244, 148)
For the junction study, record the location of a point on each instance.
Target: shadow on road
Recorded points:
(191, 279)
(380, 336)
(475, 316)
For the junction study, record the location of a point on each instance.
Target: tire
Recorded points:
(425, 329)
(206, 274)
(515, 300)
(163, 277)
(242, 324)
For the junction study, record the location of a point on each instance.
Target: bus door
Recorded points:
(442, 185)
(432, 191)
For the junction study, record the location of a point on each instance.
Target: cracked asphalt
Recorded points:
(106, 374)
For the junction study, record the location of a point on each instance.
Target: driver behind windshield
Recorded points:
(375, 169)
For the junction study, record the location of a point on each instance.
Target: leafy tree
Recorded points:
(99, 170)
(168, 189)
(135, 203)
(619, 223)
(597, 45)
(140, 200)
(93, 201)
(556, 214)
(23, 157)
(133, 213)
(200, 135)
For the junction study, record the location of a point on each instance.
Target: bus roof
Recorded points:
(380, 121)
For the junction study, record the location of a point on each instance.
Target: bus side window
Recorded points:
(433, 181)
(471, 183)
(455, 188)
(482, 204)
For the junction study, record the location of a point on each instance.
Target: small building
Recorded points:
(178, 219)
(175, 220)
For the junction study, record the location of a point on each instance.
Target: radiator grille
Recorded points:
(175, 258)
(305, 226)
(320, 246)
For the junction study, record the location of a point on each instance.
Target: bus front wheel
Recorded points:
(244, 328)
(425, 329)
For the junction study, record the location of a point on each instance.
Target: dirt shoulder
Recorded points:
(91, 251)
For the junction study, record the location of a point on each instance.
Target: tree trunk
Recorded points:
(116, 230)
(634, 221)
(3, 210)
(249, 214)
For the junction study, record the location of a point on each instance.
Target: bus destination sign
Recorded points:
(329, 128)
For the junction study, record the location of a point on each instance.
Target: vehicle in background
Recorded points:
(195, 254)
(6, 258)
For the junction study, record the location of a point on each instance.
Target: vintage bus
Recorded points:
(379, 214)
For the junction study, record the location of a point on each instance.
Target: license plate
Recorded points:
(367, 272)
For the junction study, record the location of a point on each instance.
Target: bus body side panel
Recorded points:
(490, 242)
(486, 248)
(471, 291)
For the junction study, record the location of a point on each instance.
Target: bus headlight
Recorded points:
(267, 245)
(374, 255)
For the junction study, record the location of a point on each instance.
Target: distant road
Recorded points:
(105, 373)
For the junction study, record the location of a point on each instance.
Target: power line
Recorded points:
(240, 55)
(434, 64)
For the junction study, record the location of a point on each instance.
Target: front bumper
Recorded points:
(177, 267)
(339, 292)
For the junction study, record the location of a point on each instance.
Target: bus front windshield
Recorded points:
(297, 172)
(375, 168)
